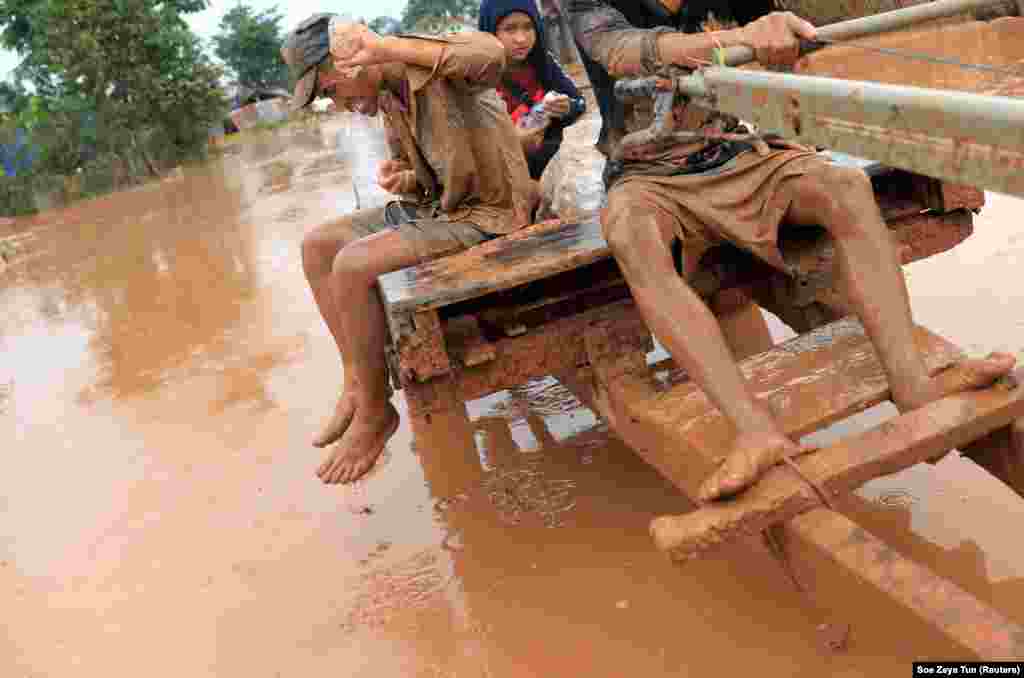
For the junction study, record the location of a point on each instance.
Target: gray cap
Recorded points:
(305, 48)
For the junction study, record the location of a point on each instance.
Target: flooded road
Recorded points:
(163, 368)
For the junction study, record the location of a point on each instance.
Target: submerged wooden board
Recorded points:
(828, 538)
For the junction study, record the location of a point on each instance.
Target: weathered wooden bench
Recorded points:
(517, 307)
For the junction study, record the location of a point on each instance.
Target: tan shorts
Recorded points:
(739, 202)
(432, 237)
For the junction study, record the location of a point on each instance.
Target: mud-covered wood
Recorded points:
(418, 343)
(552, 247)
(622, 388)
(533, 253)
(467, 344)
(550, 349)
(897, 443)
(1001, 453)
(822, 538)
(810, 382)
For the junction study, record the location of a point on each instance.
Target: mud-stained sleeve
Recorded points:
(472, 60)
(610, 40)
(395, 147)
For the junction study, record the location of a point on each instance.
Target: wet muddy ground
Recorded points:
(163, 369)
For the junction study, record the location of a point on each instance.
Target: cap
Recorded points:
(305, 48)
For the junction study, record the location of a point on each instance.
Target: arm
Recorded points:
(471, 60)
(624, 51)
(564, 85)
(605, 35)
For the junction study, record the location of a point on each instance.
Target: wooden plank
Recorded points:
(898, 443)
(535, 252)
(467, 345)
(820, 538)
(1001, 453)
(825, 538)
(420, 347)
(810, 381)
(552, 348)
(541, 251)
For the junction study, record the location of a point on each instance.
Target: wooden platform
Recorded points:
(508, 310)
(809, 382)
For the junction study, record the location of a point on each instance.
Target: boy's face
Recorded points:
(351, 89)
(518, 34)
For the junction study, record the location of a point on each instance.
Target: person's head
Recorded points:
(313, 74)
(518, 34)
(517, 25)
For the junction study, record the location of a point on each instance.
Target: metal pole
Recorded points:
(957, 136)
(880, 23)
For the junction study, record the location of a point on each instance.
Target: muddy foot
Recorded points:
(339, 421)
(751, 455)
(359, 447)
(964, 376)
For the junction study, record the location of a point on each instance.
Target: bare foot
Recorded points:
(338, 423)
(966, 375)
(752, 454)
(360, 446)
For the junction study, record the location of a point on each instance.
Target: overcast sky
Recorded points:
(205, 23)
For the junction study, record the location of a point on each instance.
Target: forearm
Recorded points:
(410, 51)
(471, 59)
(608, 38)
(695, 49)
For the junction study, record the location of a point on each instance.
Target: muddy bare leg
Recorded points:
(639, 235)
(355, 272)
(319, 249)
(868, 272)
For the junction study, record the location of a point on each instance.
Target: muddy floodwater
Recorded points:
(163, 368)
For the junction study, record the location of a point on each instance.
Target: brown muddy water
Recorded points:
(163, 368)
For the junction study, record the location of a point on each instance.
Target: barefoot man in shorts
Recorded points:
(708, 192)
(458, 166)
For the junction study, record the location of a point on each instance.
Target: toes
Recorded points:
(724, 482)
(341, 471)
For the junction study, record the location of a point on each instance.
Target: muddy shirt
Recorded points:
(619, 48)
(450, 125)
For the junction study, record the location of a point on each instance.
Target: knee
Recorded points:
(846, 199)
(321, 245)
(318, 251)
(629, 230)
(353, 266)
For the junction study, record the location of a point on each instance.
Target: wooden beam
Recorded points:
(810, 381)
(820, 538)
(1001, 453)
(825, 535)
(895, 444)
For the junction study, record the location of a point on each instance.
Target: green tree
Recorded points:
(116, 76)
(250, 44)
(437, 15)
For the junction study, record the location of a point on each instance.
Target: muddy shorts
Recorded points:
(432, 236)
(738, 202)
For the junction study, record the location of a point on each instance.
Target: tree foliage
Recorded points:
(112, 73)
(250, 44)
(434, 15)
